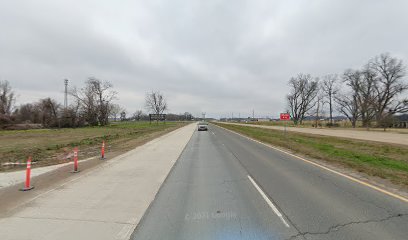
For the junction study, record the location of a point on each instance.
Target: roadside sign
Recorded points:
(157, 117)
(285, 116)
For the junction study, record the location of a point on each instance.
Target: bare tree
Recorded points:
(389, 85)
(49, 112)
(26, 113)
(104, 95)
(88, 105)
(378, 90)
(7, 98)
(366, 96)
(317, 111)
(123, 115)
(95, 99)
(46, 111)
(188, 116)
(330, 89)
(138, 115)
(155, 102)
(348, 103)
(71, 116)
(301, 100)
(115, 111)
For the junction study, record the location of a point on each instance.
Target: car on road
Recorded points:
(202, 126)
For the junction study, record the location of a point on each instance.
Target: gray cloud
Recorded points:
(213, 56)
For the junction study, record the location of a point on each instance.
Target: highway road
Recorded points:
(225, 186)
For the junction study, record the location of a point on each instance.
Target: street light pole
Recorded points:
(66, 94)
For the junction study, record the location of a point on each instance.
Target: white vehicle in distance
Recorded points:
(202, 126)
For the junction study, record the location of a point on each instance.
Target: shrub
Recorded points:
(332, 125)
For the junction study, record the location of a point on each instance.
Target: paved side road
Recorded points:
(385, 137)
(105, 203)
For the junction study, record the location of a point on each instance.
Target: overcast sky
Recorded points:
(218, 57)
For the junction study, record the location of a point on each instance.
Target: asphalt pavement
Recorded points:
(225, 186)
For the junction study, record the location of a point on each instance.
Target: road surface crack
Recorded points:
(338, 227)
(240, 228)
(344, 190)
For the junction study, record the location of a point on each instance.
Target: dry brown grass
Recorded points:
(52, 146)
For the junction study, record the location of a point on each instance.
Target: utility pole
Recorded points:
(253, 115)
(66, 94)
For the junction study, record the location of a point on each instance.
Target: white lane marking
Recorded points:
(268, 201)
(404, 199)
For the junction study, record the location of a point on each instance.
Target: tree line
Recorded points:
(93, 105)
(373, 94)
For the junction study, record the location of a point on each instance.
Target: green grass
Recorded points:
(46, 146)
(376, 159)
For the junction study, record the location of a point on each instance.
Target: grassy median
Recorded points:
(376, 159)
(52, 146)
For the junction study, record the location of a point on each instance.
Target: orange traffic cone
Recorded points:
(27, 185)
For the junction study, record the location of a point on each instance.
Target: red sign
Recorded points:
(285, 116)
